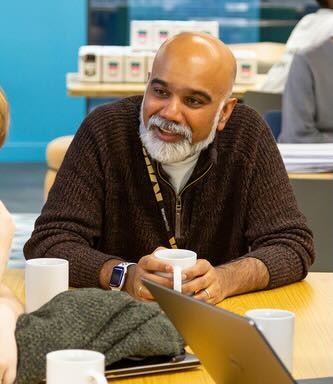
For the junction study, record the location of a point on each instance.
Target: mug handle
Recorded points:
(98, 377)
(177, 278)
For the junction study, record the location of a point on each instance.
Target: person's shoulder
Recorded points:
(243, 132)
(320, 17)
(306, 24)
(112, 121)
(244, 116)
(311, 17)
(315, 53)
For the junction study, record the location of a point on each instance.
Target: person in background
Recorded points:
(10, 307)
(309, 32)
(185, 166)
(307, 114)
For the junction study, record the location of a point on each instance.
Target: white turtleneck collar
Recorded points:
(181, 171)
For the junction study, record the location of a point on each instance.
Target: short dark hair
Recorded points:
(323, 3)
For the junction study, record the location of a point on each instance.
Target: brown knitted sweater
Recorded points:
(238, 201)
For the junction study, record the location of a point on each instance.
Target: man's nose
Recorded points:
(172, 110)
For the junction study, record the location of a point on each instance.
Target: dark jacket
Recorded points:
(238, 201)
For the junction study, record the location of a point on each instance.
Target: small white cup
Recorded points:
(179, 259)
(44, 279)
(277, 325)
(75, 366)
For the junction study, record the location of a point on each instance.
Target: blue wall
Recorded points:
(39, 41)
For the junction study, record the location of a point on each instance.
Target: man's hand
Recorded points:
(147, 267)
(203, 282)
(214, 284)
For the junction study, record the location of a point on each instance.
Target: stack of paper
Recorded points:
(307, 157)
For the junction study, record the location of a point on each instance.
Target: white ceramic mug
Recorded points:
(277, 325)
(44, 279)
(75, 366)
(179, 259)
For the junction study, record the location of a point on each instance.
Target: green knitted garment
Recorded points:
(110, 322)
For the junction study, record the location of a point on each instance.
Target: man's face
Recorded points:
(181, 110)
(168, 152)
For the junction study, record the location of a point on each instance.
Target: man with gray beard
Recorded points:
(185, 166)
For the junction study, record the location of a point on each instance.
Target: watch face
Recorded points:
(117, 276)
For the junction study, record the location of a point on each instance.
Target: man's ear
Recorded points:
(226, 112)
(148, 76)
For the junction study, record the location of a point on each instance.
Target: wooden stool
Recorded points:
(55, 153)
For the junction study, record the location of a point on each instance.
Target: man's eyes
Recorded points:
(160, 92)
(193, 101)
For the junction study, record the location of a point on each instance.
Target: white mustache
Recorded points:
(170, 126)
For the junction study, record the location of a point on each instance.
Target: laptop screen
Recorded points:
(230, 346)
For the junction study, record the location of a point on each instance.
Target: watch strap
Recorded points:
(125, 265)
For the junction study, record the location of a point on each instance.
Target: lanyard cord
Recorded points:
(159, 197)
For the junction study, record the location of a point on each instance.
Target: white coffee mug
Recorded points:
(179, 259)
(75, 366)
(277, 325)
(44, 279)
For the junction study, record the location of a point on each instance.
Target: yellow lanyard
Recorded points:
(159, 198)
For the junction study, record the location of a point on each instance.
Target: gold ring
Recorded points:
(139, 292)
(207, 292)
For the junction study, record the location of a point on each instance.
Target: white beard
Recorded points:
(167, 153)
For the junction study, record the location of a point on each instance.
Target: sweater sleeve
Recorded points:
(71, 221)
(276, 230)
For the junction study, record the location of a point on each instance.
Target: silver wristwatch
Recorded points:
(118, 276)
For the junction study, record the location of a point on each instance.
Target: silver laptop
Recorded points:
(230, 346)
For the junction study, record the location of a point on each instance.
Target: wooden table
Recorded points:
(311, 176)
(312, 302)
(88, 89)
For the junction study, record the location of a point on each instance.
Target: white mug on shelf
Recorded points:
(75, 366)
(44, 279)
(277, 325)
(179, 259)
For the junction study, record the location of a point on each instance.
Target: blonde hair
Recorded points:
(4, 117)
